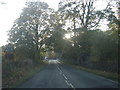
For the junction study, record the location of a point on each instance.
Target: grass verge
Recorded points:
(27, 76)
(21, 75)
(112, 76)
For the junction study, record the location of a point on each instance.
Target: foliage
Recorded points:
(40, 29)
(92, 47)
(27, 33)
(56, 41)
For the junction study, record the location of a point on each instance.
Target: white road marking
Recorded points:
(72, 86)
(66, 79)
(67, 82)
(59, 69)
(64, 76)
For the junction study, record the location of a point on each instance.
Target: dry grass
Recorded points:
(19, 75)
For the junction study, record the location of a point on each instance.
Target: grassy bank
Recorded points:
(20, 75)
(28, 75)
(109, 75)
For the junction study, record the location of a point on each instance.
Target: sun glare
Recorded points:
(67, 36)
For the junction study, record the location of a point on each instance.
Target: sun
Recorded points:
(67, 36)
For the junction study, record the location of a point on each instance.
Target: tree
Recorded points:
(84, 17)
(28, 31)
(55, 40)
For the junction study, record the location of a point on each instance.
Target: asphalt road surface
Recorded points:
(61, 76)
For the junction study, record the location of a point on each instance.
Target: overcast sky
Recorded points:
(12, 9)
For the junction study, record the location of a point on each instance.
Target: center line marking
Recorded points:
(64, 76)
(72, 86)
(66, 80)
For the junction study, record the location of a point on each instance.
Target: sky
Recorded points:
(11, 9)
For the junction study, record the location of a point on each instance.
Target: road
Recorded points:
(61, 76)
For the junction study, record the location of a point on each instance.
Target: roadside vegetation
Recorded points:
(91, 48)
(15, 73)
(72, 32)
(109, 75)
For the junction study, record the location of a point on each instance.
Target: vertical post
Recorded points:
(1, 68)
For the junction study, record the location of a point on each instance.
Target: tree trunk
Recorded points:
(37, 54)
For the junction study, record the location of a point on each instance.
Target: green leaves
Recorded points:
(40, 29)
(24, 33)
